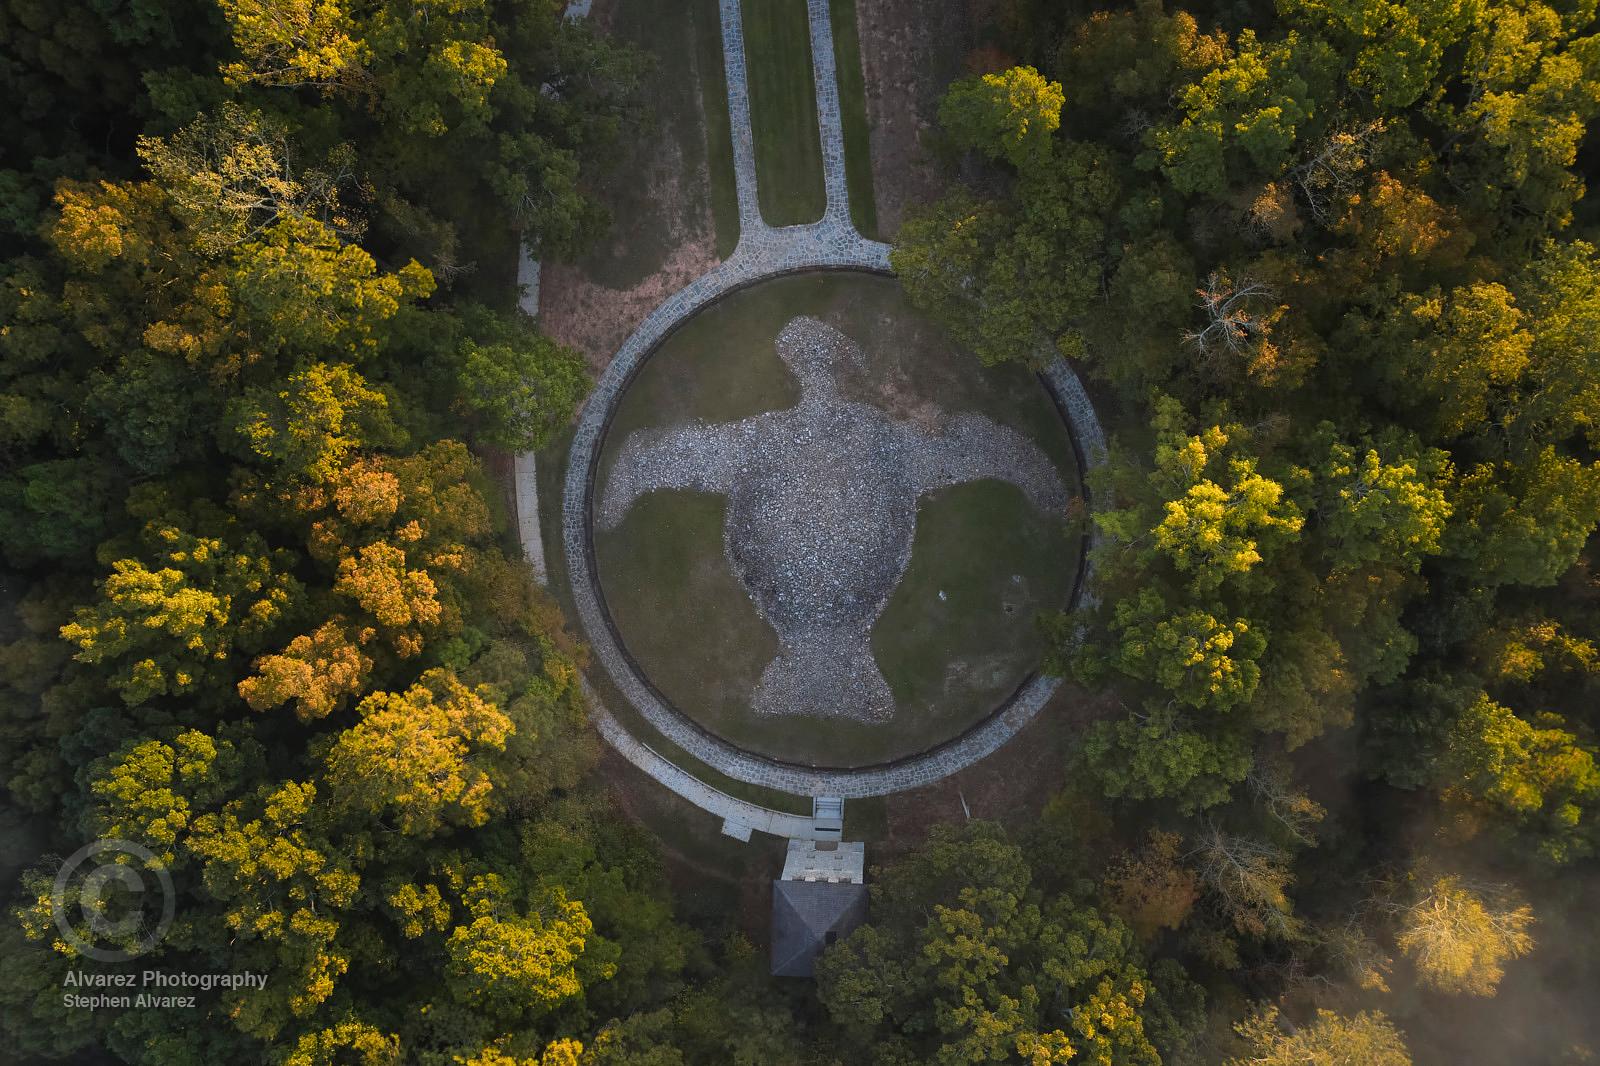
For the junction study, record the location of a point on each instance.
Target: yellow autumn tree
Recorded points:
(415, 755)
(1460, 938)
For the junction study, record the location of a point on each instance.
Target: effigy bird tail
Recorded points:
(828, 675)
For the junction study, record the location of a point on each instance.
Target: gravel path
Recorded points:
(765, 252)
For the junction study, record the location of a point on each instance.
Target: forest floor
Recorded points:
(910, 52)
(670, 192)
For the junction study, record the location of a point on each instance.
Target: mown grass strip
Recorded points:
(853, 116)
(706, 16)
(783, 111)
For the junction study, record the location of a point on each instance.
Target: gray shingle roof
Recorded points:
(803, 914)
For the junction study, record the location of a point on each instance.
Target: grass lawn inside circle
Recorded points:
(959, 633)
(783, 111)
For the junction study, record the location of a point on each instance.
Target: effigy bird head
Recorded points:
(815, 352)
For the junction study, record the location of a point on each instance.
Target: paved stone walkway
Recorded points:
(738, 816)
(765, 252)
(825, 74)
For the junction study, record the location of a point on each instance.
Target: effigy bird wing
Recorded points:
(971, 447)
(698, 456)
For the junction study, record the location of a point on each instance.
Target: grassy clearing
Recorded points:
(956, 607)
(783, 111)
(654, 569)
(853, 116)
(718, 884)
(722, 367)
(681, 156)
(949, 660)
(867, 819)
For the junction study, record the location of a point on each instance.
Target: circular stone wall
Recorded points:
(821, 533)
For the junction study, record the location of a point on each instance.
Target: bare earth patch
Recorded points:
(1011, 786)
(910, 50)
(595, 319)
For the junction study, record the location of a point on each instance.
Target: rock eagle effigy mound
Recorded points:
(821, 516)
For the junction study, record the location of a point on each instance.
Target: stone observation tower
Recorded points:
(820, 899)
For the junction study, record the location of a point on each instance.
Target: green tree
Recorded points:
(151, 791)
(280, 888)
(56, 510)
(170, 625)
(1241, 118)
(519, 385)
(1476, 346)
(1011, 115)
(1394, 50)
(1213, 530)
(1013, 282)
(348, 1041)
(1532, 72)
(1378, 513)
(1525, 522)
(133, 401)
(1535, 776)
(511, 964)
(1204, 508)
(1205, 663)
(1132, 57)
(293, 44)
(300, 288)
(310, 426)
(1160, 753)
(950, 968)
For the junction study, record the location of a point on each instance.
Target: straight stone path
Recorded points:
(825, 74)
(763, 252)
(525, 465)
(739, 128)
